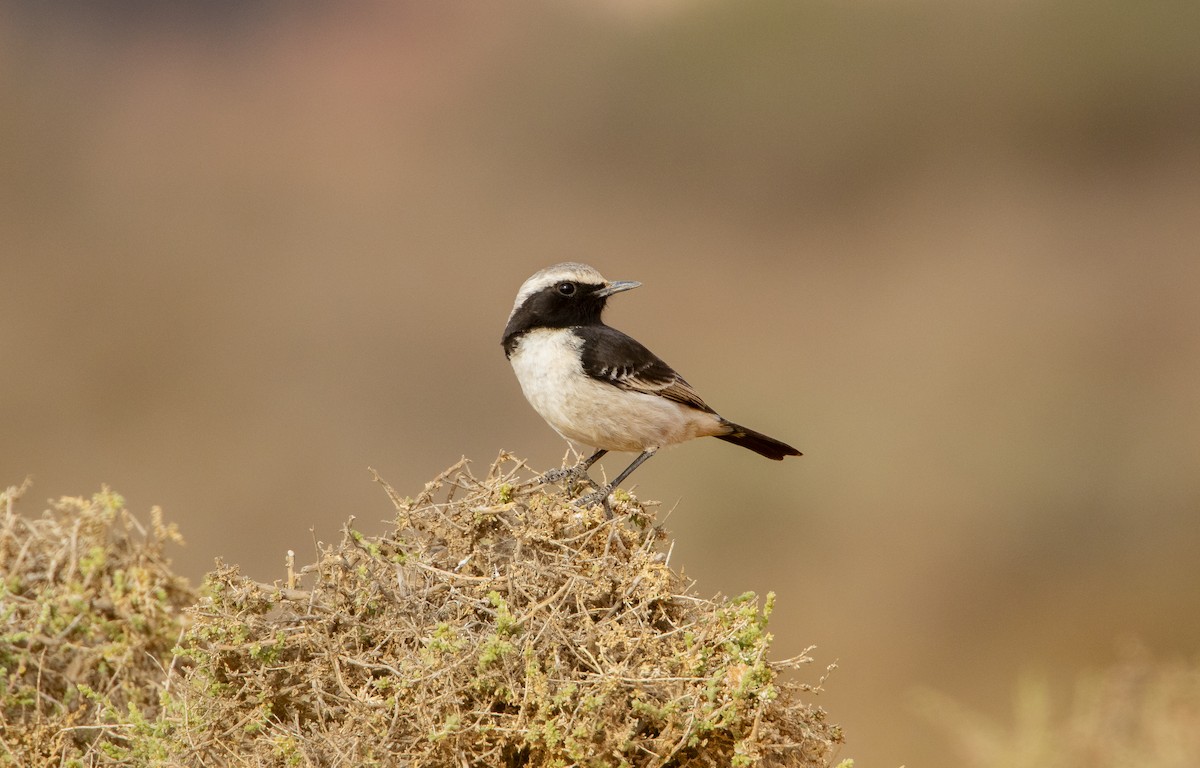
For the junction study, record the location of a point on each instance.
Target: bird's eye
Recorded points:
(566, 289)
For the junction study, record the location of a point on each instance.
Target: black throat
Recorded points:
(549, 309)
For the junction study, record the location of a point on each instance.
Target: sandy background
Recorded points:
(950, 251)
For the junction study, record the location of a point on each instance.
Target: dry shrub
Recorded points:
(89, 614)
(497, 625)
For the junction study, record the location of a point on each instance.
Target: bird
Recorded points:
(600, 388)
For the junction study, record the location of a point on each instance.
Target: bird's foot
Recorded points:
(576, 472)
(554, 475)
(597, 497)
(575, 476)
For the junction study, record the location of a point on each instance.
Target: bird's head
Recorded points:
(562, 296)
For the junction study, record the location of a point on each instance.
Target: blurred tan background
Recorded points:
(951, 251)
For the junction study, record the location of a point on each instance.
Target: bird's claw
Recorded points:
(597, 497)
(574, 475)
(554, 475)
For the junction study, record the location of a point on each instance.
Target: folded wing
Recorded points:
(612, 357)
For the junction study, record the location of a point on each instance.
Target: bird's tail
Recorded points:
(757, 442)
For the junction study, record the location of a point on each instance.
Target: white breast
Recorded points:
(595, 413)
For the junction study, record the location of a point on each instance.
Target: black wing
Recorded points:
(612, 357)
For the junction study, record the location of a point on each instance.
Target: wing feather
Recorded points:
(615, 358)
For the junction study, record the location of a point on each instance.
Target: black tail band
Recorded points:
(758, 442)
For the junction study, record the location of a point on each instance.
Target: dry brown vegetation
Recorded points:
(498, 624)
(90, 612)
(495, 625)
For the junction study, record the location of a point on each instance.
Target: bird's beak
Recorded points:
(616, 287)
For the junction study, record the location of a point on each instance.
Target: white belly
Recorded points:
(595, 413)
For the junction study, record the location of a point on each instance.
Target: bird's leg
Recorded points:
(602, 494)
(575, 472)
(592, 460)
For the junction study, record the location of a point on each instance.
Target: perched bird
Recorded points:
(600, 388)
